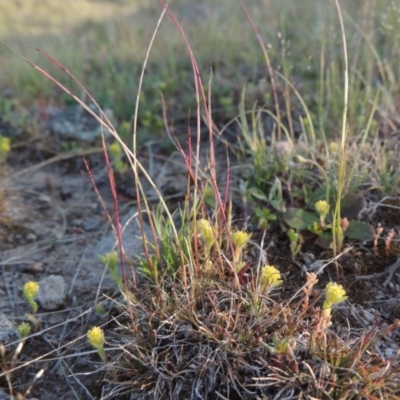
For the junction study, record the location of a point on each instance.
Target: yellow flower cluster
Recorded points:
(270, 277)
(334, 294)
(207, 233)
(115, 149)
(30, 290)
(240, 239)
(5, 145)
(96, 337)
(333, 147)
(322, 208)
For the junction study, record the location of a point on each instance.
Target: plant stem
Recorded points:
(337, 231)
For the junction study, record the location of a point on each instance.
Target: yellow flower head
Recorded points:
(322, 207)
(30, 290)
(334, 294)
(333, 147)
(96, 337)
(207, 232)
(270, 277)
(203, 225)
(5, 145)
(240, 239)
(115, 149)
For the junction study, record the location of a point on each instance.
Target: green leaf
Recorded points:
(299, 219)
(325, 240)
(258, 194)
(359, 230)
(209, 196)
(319, 194)
(265, 213)
(351, 205)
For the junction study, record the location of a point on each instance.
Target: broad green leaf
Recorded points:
(319, 194)
(258, 194)
(299, 219)
(325, 240)
(359, 230)
(351, 205)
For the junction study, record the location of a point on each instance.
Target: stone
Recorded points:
(4, 396)
(8, 333)
(52, 292)
(131, 237)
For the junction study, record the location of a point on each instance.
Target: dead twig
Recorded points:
(390, 271)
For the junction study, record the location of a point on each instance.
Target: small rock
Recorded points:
(390, 352)
(77, 223)
(90, 226)
(34, 267)
(308, 258)
(8, 333)
(44, 198)
(52, 292)
(30, 237)
(4, 396)
(53, 112)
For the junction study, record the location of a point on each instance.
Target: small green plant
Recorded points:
(111, 260)
(295, 241)
(263, 217)
(95, 337)
(208, 234)
(320, 222)
(5, 147)
(322, 208)
(23, 329)
(270, 277)
(239, 240)
(30, 291)
(334, 294)
(117, 156)
(72, 145)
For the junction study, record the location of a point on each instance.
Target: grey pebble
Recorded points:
(90, 226)
(31, 237)
(8, 333)
(52, 292)
(4, 396)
